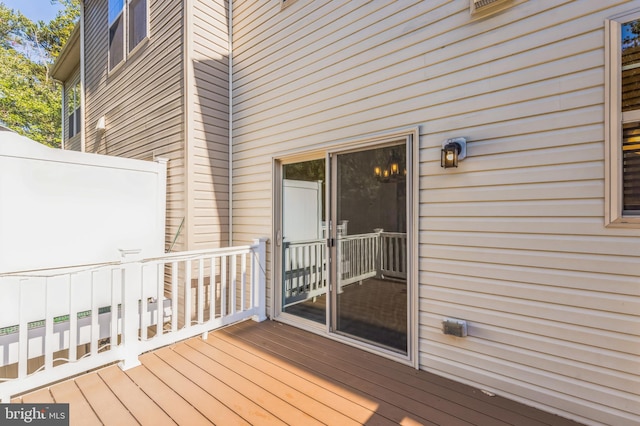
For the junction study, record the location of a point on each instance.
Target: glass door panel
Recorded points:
(369, 207)
(304, 264)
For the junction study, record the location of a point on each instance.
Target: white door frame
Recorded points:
(411, 137)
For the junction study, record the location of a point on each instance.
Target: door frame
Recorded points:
(410, 135)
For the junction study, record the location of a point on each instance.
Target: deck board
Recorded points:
(271, 373)
(42, 396)
(143, 409)
(103, 402)
(82, 412)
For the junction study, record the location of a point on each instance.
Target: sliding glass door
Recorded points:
(343, 244)
(369, 206)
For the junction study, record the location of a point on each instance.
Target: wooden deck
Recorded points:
(270, 373)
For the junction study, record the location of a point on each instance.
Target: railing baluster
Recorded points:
(73, 321)
(131, 275)
(113, 336)
(316, 264)
(144, 307)
(174, 296)
(254, 280)
(23, 332)
(95, 327)
(200, 294)
(187, 294)
(259, 282)
(396, 253)
(159, 276)
(213, 290)
(223, 290)
(48, 326)
(243, 281)
(233, 296)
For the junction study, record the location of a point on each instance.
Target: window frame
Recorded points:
(121, 17)
(124, 15)
(131, 51)
(72, 120)
(614, 119)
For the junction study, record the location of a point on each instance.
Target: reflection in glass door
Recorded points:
(304, 281)
(369, 206)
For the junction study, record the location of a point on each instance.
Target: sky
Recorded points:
(35, 10)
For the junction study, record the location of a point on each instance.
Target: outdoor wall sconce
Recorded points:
(453, 150)
(101, 125)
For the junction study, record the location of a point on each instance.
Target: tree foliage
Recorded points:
(30, 101)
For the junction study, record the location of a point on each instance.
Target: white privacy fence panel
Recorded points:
(58, 323)
(101, 204)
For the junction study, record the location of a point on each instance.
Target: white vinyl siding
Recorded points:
(208, 147)
(142, 102)
(512, 240)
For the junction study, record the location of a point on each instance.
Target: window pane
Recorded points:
(631, 65)
(71, 126)
(371, 251)
(70, 101)
(304, 273)
(116, 40)
(631, 168)
(78, 121)
(115, 8)
(137, 22)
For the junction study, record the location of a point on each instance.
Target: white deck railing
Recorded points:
(58, 323)
(305, 273)
(378, 254)
(393, 255)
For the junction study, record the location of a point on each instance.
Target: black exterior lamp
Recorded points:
(453, 150)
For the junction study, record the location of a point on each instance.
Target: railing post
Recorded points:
(131, 290)
(379, 255)
(259, 278)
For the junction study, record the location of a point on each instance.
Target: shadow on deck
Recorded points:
(271, 373)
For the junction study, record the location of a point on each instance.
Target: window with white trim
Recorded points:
(73, 110)
(127, 28)
(623, 120)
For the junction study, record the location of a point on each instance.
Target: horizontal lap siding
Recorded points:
(209, 139)
(513, 240)
(142, 100)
